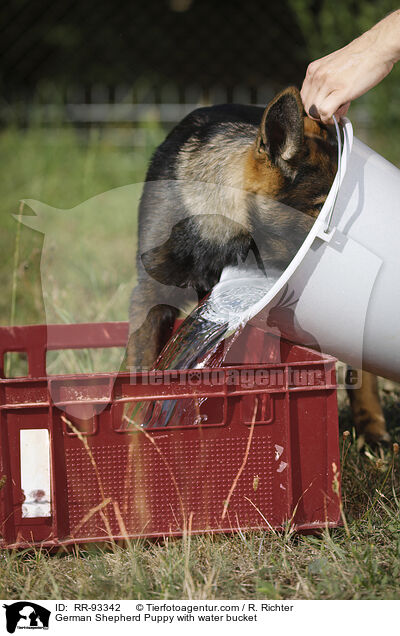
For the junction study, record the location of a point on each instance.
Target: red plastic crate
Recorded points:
(265, 454)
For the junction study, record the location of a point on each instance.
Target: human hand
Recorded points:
(332, 82)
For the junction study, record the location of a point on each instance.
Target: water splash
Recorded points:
(203, 340)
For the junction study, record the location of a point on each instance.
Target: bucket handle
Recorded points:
(344, 150)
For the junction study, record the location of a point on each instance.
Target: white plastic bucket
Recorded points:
(341, 292)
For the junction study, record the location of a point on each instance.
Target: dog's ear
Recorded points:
(281, 131)
(160, 265)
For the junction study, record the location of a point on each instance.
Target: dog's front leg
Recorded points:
(151, 323)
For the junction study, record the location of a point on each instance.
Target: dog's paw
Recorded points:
(374, 434)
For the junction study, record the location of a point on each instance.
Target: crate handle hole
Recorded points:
(16, 364)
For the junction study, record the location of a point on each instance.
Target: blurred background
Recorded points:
(89, 88)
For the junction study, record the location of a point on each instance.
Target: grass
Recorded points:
(80, 267)
(59, 169)
(64, 171)
(363, 565)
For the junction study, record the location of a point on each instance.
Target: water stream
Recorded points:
(203, 340)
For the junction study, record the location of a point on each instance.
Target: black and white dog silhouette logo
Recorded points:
(26, 615)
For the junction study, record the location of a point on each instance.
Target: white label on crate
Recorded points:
(35, 472)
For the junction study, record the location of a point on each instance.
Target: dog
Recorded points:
(223, 176)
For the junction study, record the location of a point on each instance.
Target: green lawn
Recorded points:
(63, 170)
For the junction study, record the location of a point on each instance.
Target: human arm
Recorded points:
(332, 82)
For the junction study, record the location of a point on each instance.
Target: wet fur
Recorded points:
(216, 183)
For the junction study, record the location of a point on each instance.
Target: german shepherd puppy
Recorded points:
(223, 176)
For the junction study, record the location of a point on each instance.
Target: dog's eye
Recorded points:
(319, 203)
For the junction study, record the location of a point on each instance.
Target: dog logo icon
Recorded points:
(26, 615)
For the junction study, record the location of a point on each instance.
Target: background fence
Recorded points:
(97, 63)
(107, 63)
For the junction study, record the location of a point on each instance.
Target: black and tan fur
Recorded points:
(214, 190)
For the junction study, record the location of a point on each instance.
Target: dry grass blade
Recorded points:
(14, 280)
(168, 467)
(90, 514)
(244, 462)
(101, 505)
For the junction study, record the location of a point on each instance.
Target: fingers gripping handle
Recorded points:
(344, 149)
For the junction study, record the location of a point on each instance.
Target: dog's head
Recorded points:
(294, 158)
